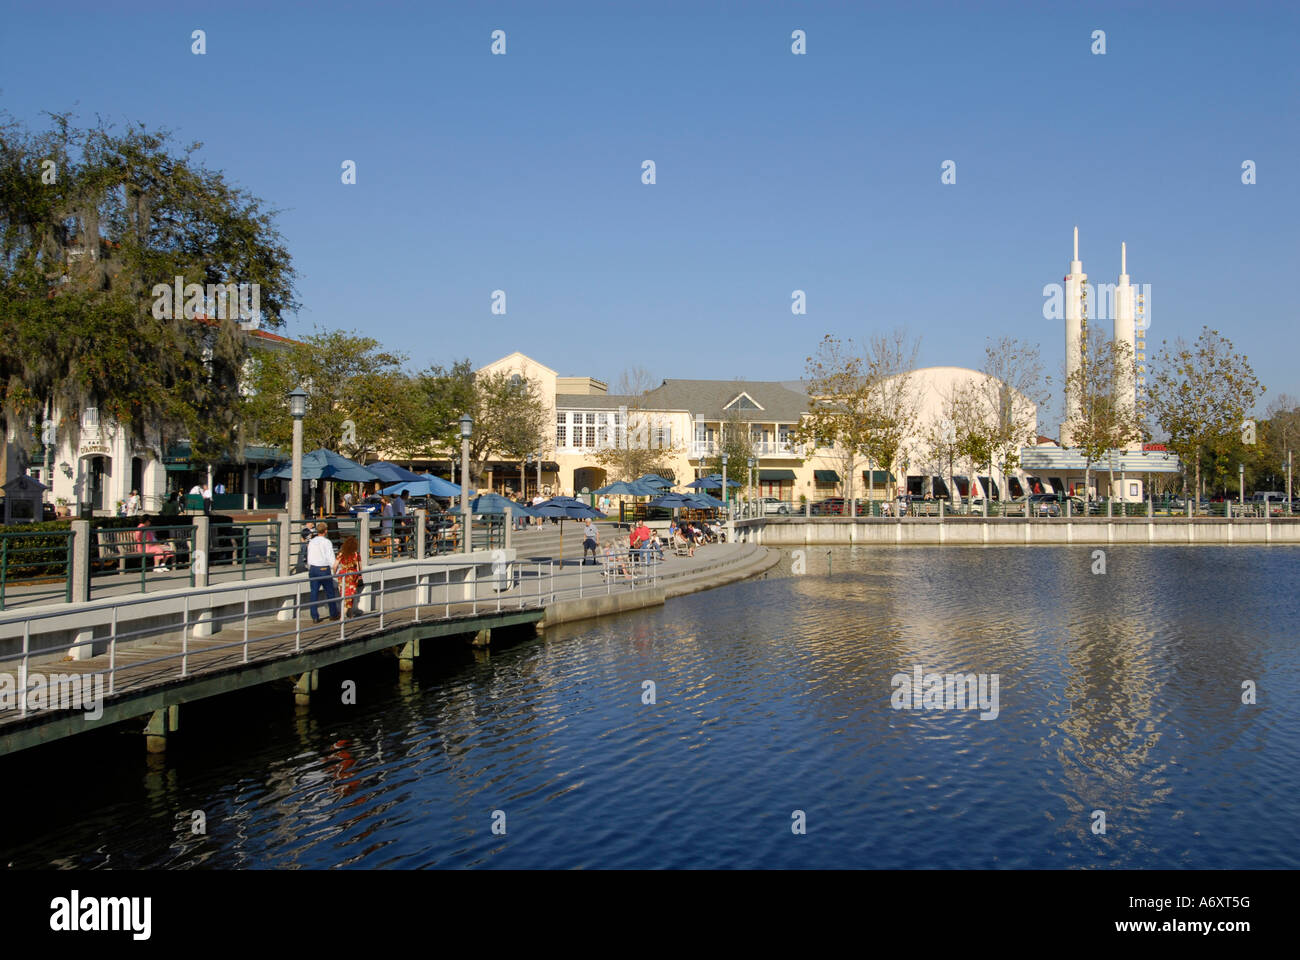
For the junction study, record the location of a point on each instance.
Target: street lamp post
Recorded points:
(466, 431)
(297, 410)
(726, 504)
(1241, 478)
(538, 457)
(750, 478)
(523, 477)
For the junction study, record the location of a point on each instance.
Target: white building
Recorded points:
(108, 461)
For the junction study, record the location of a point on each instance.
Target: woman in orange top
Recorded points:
(348, 569)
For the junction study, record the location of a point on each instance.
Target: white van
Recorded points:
(1272, 496)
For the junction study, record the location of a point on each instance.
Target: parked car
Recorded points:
(373, 504)
(772, 505)
(830, 507)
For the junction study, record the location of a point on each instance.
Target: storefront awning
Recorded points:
(775, 475)
(178, 455)
(877, 476)
(826, 476)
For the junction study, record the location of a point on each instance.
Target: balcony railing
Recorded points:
(709, 448)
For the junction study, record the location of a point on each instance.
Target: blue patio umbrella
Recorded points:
(655, 481)
(426, 485)
(711, 481)
(565, 508)
(675, 501)
(392, 473)
(708, 500)
(321, 464)
(636, 488)
(494, 503)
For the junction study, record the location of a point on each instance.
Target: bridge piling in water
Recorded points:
(303, 686)
(161, 722)
(407, 654)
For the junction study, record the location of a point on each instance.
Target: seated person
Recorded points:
(162, 554)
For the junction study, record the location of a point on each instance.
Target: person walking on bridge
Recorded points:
(320, 570)
(590, 542)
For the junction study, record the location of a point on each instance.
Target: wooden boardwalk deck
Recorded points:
(147, 675)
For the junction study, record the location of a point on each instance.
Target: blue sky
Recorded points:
(775, 172)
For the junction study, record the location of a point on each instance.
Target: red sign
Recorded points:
(1153, 446)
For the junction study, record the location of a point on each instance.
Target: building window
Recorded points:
(591, 429)
(561, 430)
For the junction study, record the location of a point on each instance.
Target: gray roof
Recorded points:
(707, 398)
(594, 401)
(701, 398)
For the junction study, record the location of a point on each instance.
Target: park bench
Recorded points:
(119, 544)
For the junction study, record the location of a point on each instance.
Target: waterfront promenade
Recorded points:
(145, 655)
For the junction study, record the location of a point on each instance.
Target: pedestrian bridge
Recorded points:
(70, 668)
(67, 669)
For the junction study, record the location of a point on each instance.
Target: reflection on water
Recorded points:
(1119, 693)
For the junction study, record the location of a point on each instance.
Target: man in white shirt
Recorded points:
(590, 542)
(320, 569)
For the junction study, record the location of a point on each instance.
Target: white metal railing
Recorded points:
(432, 594)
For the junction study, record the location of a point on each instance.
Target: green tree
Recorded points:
(736, 440)
(347, 378)
(1198, 394)
(511, 419)
(90, 222)
(864, 398)
(442, 395)
(1107, 418)
(638, 444)
(1014, 389)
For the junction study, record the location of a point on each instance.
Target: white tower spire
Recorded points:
(1075, 291)
(1125, 385)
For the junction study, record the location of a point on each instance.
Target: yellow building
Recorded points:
(684, 419)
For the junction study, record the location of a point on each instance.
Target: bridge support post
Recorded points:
(202, 542)
(407, 655)
(365, 602)
(161, 722)
(203, 624)
(483, 638)
(303, 687)
(80, 572)
(84, 649)
(284, 558)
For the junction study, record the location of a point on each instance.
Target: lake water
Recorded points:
(1118, 692)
